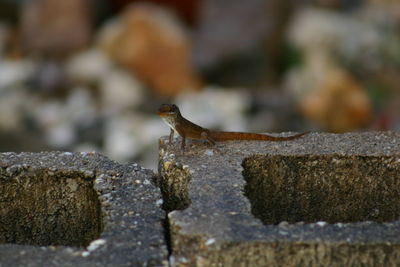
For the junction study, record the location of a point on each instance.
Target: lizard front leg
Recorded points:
(171, 135)
(181, 132)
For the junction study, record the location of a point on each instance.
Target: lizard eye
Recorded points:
(167, 108)
(174, 108)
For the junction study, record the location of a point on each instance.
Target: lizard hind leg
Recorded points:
(212, 142)
(205, 136)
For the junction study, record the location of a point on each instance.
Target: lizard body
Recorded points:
(187, 129)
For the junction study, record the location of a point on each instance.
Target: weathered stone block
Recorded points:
(78, 209)
(329, 188)
(323, 200)
(47, 207)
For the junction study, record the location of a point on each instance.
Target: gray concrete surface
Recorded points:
(78, 209)
(323, 200)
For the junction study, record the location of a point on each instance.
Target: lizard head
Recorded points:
(168, 110)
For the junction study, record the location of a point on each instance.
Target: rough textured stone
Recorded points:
(229, 51)
(54, 28)
(151, 42)
(322, 200)
(78, 209)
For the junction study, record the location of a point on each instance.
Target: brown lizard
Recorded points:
(187, 129)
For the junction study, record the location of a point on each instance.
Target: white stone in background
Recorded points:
(61, 134)
(351, 36)
(80, 106)
(14, 73)
(59, 119)
(88, 66)
(216, 108)
(130, 134)
(11, 108)
(120, 142)
(52, 117)
(152, 129)
(47, 113)
(120, 90)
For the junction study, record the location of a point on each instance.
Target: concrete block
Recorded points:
(322, 200)
(78, 209)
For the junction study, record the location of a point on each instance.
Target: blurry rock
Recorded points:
(150, 42)
(15, 72)
(329, 96)
(54, 28)
(240, 44)
(132, 136)
(61, 135)
(60, 120)
(120, 91)
(4, 35)
(276, 111)
(22, 140)
(338, 103)
(391, 6)
(13, 49)
(187, 10)
(152, 129)
(50, 79)
(327, 93)
(88, 66)
(80, 106)
(120, 141)
(224, 29)
(353, 38)
(11, 108)
(216, 108)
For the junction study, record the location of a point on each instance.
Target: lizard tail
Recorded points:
(226, 136)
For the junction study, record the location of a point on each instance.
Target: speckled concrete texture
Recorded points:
(78, 209)
(322, 200)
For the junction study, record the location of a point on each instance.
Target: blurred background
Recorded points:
(88, 75)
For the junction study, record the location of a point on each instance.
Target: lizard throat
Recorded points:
(170, 121)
